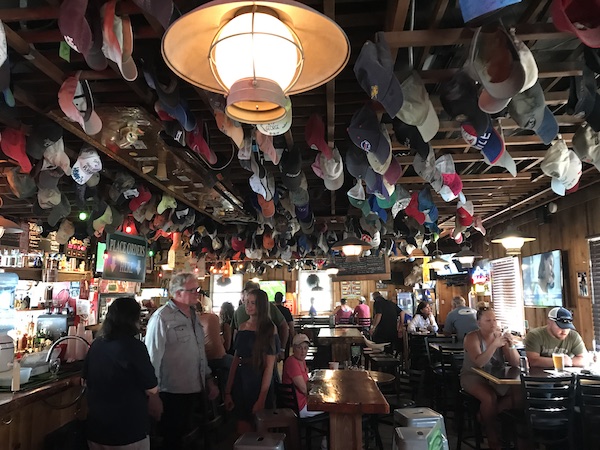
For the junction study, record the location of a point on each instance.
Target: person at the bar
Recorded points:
(121, 385)
(288, 318)
(423, 320)
(343, 313)
(249, 386)
(486, 348)
(362, 310)
(384, 320)
(557, 336)
(175, 342)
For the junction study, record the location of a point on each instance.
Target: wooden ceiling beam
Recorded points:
(477, 157)
(438, 14)
(397, 10)
(526, 176)
(463, 36)
(509, 141)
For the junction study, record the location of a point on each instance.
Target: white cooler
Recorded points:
(264, 441)
(419, 417)
(420, 438)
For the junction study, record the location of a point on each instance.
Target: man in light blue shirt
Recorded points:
(175, 342)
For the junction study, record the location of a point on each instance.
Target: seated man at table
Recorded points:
(461, 320)
(558, 336)
(343, 313)
(423, 320)
(295, 372)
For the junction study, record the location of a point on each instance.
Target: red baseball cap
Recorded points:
(314, 134)
(579, 17)
(144, 197)
(195, 140)
(13, 146)
(75, 100)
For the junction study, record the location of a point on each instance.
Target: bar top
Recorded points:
(12, 401)
(340, 333)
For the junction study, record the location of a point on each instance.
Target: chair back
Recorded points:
(549, 405)
(417, 351)
(364, 322)
(588, 399)
(285, 395)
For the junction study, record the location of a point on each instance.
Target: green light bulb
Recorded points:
(83, 215)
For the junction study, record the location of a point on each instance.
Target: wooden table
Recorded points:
(381, 377)
(346, 395)
(340, 340)
(512, 375)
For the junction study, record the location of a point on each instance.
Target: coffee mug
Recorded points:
(334, 365)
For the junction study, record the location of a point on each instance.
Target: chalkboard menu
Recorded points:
(366, 268)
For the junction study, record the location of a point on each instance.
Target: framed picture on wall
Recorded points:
(582, 284)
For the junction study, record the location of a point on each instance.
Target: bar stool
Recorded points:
(264, 441)
(280, 419)
(470, 405)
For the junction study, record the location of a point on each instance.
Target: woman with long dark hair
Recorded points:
(226, 318)
(249, 386)
(122, 388)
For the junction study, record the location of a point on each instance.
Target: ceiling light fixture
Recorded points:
(352, 248)
(256, 53)
(466, 256)
(512, 240)
(437, 262)
(9, 227)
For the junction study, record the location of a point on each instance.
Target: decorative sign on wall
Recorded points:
(366, 268)
(126, 257)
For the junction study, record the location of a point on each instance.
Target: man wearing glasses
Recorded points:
(558, 336)
(175, 342)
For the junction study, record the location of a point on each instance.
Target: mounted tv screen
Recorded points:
(543, 279)
(271, 287)
(100, 257)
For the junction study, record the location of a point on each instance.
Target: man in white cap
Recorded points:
(558, 336)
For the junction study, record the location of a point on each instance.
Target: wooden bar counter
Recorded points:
(27, 416)
(346, 395)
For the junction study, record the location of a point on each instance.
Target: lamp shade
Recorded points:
(512, 240)
(437, 262)
(255, 52)
(351, 247)
(466, 257)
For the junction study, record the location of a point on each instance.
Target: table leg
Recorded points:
(345, 431)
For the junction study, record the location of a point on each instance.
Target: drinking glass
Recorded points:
(558, 359)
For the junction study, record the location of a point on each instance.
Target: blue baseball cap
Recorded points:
(562, 317)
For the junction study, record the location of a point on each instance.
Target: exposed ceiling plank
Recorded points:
(476, 157)
(397, 10)
(463, 36)
(466, 178)
(438, 13)
(511, 140)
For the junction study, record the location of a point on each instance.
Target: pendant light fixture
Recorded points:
(437, 262)
(512, 240)
(352, 248)
(256, 53)
(466, 256)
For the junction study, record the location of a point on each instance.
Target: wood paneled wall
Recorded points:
(577, 218)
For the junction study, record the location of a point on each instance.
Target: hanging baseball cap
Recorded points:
(65, 231)
(161, 10)
(290, 165)
(426, 169)
(230, 128)
(195, 140)
(578, 17)
(491, 146)
(56, 160)
(365, 133)
(5, 69)
(118, 40)
(529, 110)
(44, 133)
(21, 184)
(358, 166)
(280, 126)
(451, 182)
(584, 100)
(314, 133)
(122, 188)
(417, 109)
(12, 144)
(265, 144)
(495, 62)
(586, 144)
(88, 163)
(332, 170)
(166, 202)
(464, 213)
(410, 137)
(143, 197)
(82, 30)
(458, 96)
(562, 317)
(563, 166)
(476, 12)
(75, 100)
(60, 211)
(374, 71)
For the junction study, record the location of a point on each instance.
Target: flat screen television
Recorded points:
(100, 257)
(271, 287)
(453, 267)
(543, 279)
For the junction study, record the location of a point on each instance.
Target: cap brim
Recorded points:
(431, 126)
(93, 125)
(491, 105)
(548, 129)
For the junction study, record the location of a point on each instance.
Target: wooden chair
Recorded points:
(549, 408)
(286, 398)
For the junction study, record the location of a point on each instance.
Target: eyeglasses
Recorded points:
(189, 290)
